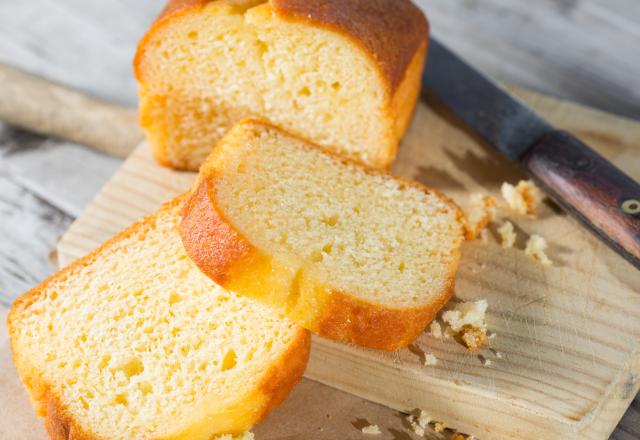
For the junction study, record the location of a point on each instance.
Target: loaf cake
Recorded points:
(346, 251)
(134, 342)
(344, 74)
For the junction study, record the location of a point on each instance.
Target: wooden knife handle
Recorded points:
(591, 188)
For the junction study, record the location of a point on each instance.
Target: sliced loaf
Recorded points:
(342, 73)
(133, 342)
(348, 252)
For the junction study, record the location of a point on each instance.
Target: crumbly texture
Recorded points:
(522, 198)
(371, 430)
(430, 360)
(439, 426)
(467, 321)
(419, 421)
(435, 329)
(479, 212)
(347, 252)
(508, 235)
(536, 246)
(345, 75)
(133, 341)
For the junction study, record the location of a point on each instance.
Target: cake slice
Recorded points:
(134, 342)
(343, 73)
(345, 251)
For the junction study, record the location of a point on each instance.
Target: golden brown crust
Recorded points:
(349, 319)
(60, 424)
(277, 382)
(342, 316)
(390, 31)
(285, 374)
(204, 226)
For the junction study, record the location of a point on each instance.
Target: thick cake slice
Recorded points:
(134, 342)
(342, 73)
(347, 252)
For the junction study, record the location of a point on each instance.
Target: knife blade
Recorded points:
(581, 181)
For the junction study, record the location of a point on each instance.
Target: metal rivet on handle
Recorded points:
(631, 206)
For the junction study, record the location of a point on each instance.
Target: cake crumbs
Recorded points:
(435, 329)
(467, 322)
(507, 235)
(480, 212)
(439, 427)
(430, 360)
(458, 436)
(419, 422)
(371, 430)
(473, 338)
(522, 198)
(536, 245)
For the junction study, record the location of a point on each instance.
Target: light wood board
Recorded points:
(568, 334)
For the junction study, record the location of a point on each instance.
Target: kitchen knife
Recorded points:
(580, 180)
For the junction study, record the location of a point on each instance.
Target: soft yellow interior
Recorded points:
(361, 233)
(140, 344)
(237, 59)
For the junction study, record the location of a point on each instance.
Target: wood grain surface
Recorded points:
(568, 334)
(582, 50)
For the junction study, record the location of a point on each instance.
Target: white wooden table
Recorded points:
(583, 50)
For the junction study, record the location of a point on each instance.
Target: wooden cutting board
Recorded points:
(568, 335)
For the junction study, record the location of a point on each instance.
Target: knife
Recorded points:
(581, 181)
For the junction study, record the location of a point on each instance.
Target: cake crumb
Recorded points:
(523, 198)
(479, 213)
(439, 427)
(419, 422)
(371, 430)
(430, 359)
(473, 338)
(467, 322)
(507, 235)
(435, 329)
(458, 436)
(536, 245)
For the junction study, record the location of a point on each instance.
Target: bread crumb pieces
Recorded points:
(435, 329)
(458, 436)
(430, 359)
(474, 338)
(479, 213)
(467, 321)
(523, 198)
(485, 362)
(536, 245)
(371, 430)
(498, 355)
(492, 335)
(507, 235)
(419, 421)
(439, 427)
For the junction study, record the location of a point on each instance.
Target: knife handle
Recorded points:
(584, 183)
